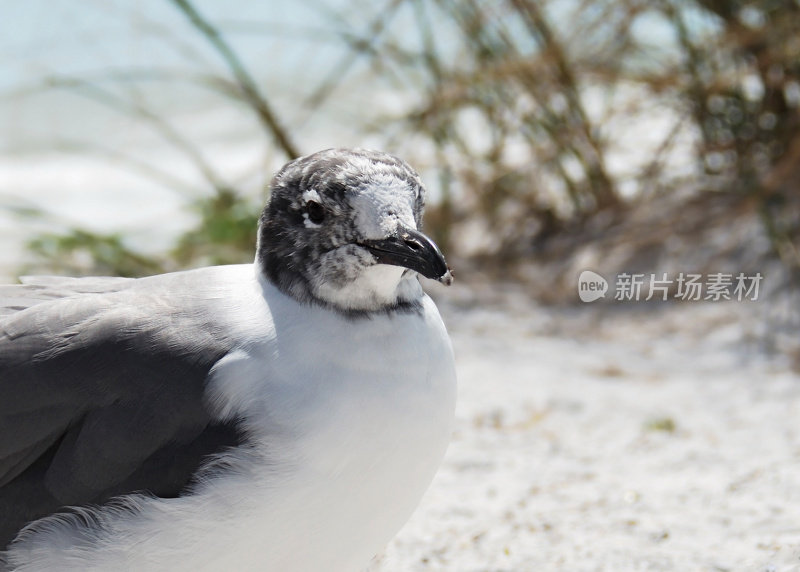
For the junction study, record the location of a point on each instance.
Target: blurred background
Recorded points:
(139, 137)
(554, 136)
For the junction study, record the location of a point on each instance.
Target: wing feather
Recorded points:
(101, 394)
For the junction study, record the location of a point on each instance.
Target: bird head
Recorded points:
(342, 228)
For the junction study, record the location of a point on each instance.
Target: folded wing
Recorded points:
(101, 394)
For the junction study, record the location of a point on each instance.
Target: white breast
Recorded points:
(349, 420)
(357, 414)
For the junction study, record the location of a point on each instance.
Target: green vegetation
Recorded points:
(225, 234)
(661, 424)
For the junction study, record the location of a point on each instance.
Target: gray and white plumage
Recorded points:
(285, 415)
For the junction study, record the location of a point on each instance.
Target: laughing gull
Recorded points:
(285, 415)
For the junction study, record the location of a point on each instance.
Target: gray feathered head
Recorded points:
(342, 228)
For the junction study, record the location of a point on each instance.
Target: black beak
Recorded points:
(411, 249)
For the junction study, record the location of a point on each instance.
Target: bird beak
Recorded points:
(411, 249)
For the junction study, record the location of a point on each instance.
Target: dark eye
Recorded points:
(316, 212)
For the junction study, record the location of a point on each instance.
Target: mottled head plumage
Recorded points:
(342, 229)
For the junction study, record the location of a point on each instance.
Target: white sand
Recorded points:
(565, 456)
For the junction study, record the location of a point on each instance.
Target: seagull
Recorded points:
(285, 415)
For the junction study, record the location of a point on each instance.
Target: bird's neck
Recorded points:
(380, 289)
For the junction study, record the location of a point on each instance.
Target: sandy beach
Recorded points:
(619, 441)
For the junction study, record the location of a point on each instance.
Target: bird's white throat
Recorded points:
(377, 287)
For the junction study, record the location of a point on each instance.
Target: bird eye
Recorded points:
(316, 212)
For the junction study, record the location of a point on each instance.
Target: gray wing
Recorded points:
(101, 394)
(37, 289)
